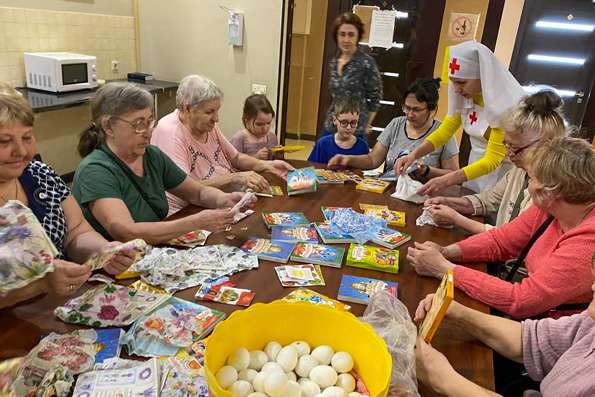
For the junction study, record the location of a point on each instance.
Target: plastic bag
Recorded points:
(390, 319)
(426, 219)
(407, 188)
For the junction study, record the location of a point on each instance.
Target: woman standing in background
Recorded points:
(353, 74)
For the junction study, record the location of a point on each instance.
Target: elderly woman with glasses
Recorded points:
(557, 232)
(537, 118)
(405, 133)
(191, 137)
(122, 179)
(36, 185)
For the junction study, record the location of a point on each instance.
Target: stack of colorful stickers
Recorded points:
(26, 252)
(191, 239)
(173, 270)
(300, 275)
(225, 292)
(172, 325)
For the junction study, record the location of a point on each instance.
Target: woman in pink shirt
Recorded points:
(558, 353)
(562, 186)
(191, 137)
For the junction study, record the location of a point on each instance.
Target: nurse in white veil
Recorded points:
(480, 90)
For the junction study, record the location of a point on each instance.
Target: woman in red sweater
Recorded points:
(562, 185)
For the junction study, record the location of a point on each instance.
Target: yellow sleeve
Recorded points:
(492, 157)
(447, 129)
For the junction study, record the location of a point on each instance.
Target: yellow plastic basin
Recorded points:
(286, 322)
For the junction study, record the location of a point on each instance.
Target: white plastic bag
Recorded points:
(426, 219)
(407, 188)
(390, 319)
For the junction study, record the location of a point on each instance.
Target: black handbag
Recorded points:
(515, 270)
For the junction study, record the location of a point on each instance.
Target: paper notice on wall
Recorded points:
(462, 27)
(365, 14)
(382, 29)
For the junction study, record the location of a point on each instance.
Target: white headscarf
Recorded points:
(499, 88)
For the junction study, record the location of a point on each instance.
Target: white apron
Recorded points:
(476, 125)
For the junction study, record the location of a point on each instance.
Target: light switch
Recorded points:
(259, 89)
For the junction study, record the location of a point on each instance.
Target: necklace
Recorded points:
(16, 192)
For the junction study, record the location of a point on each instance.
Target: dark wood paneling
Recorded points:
(492, 24)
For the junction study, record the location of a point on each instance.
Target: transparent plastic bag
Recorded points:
(407, 188)
(390, 319)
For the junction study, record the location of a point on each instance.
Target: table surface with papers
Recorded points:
(22, 326)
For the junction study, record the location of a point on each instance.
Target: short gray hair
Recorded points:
(195, 89)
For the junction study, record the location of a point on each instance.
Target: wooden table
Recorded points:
(22, 326)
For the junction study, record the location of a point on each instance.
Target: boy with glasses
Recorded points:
(344, 141)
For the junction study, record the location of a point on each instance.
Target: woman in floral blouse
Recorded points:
(353, 74)
(37, 186)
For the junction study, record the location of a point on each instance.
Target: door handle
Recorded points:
(579, 97)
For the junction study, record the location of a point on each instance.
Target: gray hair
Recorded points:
(194, 90)
(113, 99)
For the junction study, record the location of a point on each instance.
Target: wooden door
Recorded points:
(556, 46)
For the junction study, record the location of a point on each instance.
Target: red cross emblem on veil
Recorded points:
(473, 117)
(454, 66)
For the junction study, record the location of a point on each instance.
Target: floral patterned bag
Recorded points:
(108, 305)
(26, 252)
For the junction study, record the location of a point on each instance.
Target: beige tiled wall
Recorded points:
(108, 37)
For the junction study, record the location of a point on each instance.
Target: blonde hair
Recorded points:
(14, 107)
(565, 167)
(539, 114)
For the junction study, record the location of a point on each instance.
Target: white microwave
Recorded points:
(60, 71)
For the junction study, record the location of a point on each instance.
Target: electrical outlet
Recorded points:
(259, 89)
(115, 66)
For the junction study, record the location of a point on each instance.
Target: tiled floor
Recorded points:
(302, 154)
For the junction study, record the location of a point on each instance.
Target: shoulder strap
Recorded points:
(521, 259)
(128, 172)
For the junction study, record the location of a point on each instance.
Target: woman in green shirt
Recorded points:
(121, 182)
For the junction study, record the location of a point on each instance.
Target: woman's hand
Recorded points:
(249, 180)
(213, 220)
(66, 278)
(403, 162)
(338, 161)
(263, 154)
(436, 185)
(233, 198)
(423, 308)
(432, 367)
(278, 167)
(460, 204)
(427, 260)
(443, 215)
(121, 261)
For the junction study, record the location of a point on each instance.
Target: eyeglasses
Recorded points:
(406, 109)
(141, 126)
(347, 123)
(516, 151)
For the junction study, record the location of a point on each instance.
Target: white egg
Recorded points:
(346, 382)
(272, 349)
(239, 359)
(323, 354)
(342, 362)
(287, 358)
(354, 394)
(226, 376)
(333, 391)
(275, 384)
(272, 366)
(241, 388)
(257, 394)
(324, 376)
(247, 374)
(291, 376)
(305, 365)
(258, 381)
(293, 389)
(302, 347)
(258, 358)
(309, 388)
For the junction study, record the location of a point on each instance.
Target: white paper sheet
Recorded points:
(382, 29)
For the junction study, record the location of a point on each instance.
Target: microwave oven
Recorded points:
(60, 71)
